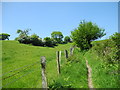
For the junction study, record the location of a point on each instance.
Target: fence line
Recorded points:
(17, 79)
(18, 68)
(43, 66)
(16, 73)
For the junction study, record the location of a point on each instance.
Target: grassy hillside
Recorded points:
(103, 59)
(16, 55)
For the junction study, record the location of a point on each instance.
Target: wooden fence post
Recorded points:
(60, 57)
(44, 79)
(71, 51)
(66, 54)
(58, 62)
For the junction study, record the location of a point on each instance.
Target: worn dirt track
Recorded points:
(90, 85)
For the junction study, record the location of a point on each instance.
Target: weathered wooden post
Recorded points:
(71, 51)
(44, 79)
(66, 54)
(58, 62)
(60, 57)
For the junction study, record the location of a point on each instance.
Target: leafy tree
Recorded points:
(67, 39)
(57, 35)
(34, 36)
(35, 40)
(85, 34)
(25, 40)
(48, 41)
(23, 33)
(4, 36)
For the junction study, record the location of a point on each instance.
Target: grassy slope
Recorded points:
(74, 72)
(16, 55)
(102, 76)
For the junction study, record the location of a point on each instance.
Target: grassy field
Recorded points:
(16, 55)
(73, 70)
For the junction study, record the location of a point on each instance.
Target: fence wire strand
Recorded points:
(17, 79)
(19, 68)
(17, 72)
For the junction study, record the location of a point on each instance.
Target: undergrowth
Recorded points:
(73, 73)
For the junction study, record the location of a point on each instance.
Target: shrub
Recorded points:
(108, 49)
(4, 36)
(67, 39)
(48, 42)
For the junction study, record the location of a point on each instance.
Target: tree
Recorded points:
(4, 36)
(57, 35)
(34, 36)
(48, 41)
(67, 39)
(35, 40)
(23, 33)
(85, 34)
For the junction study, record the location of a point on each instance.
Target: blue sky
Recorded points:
(45, 17)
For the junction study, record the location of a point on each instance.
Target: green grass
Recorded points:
(73, 70)
(16, 55)
(103, 76)
(73, 74)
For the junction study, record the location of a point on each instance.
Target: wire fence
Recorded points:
(17, 72)
(18, 78)
(20, 70)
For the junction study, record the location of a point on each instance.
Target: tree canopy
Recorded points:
(57, 35)
(85, 33)
(67, 39)
(23, 33)
(4, 36)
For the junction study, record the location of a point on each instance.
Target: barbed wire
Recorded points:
(17, 72)
(17, 79)
(19, 68)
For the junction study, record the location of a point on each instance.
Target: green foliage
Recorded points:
(34, 36)
(57, 35)
(85, 34)
(116, 40)
(4, 36)
(33, 39)
(23, 33)
(105, 63)
(67, 39)
(104, 75)
(73, 73)
(48, 41)
(36, 41)
(109, 49)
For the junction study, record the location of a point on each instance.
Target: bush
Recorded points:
(49, 42)
(4, 36)
(30, 40)
(25, 40)
(67, 39)
(108, 49)
(36, 42)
